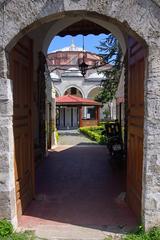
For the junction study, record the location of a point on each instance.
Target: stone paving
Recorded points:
(141, 18)
(73, 137)
(77, 194)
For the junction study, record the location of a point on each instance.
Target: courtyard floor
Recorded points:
(78, 194)
(73, 137)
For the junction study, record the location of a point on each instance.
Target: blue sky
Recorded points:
(90, 42)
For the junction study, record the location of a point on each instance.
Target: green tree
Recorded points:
(111, 53)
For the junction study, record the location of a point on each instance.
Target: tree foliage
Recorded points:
(111, 53)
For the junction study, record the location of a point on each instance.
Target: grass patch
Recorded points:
(94, 133)
(153, 234)
(7, 232)
(140, 234)
(27, 235)
(57, 136)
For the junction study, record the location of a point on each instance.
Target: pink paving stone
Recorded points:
(78, 186)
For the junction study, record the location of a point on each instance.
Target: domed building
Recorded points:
(68, 80)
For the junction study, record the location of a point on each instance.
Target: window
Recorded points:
(73, 91)
(91, 113)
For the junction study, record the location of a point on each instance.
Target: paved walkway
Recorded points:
(78, 195)
(73, 137)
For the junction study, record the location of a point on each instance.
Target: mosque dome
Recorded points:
(96, 75)
(53, 75)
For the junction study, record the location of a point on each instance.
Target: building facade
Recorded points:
(67, 79)
(74, 112)
(29, 26)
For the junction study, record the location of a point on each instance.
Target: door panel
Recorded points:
(21, 74)
(68, 123)
(136, 69)
(75, 117)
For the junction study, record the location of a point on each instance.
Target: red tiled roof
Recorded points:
(74, 100)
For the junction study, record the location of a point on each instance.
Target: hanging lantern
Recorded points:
(83, 67)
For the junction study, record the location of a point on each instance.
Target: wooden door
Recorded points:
(68, 121)
(136, 71)
(21, 74)
(50, 125)
(75, 117)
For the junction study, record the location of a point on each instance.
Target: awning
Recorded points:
(84, 27)
(71, 100)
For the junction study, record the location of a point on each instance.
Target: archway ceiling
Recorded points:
(84, 27)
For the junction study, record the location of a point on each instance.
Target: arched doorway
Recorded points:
(134, 180)
(73, 91)
(135, 62)
(57, 92)
(92, 93)
(68, 116)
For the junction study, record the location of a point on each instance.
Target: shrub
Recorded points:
(7, 233)
(6, 228)
(57, 136)
(94, 133)
(27, 235)
(153, 234)
(101, 124)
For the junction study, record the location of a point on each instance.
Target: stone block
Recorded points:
(138, 18)
(6, 136)
(7, 204)
(6, 90)
(3, 63)
(5, 207)
(4, 162)
(6, 107)
(151, 218)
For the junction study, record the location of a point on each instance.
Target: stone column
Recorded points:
(80, 116)
(53, 118)
(7, 180)
(97, 114)
(151, 165)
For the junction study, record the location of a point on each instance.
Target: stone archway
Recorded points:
(93, 92)
(57, 92)
(141, 19)
(74, 90)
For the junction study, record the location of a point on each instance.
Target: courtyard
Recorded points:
(78, 194)
(73, 137)
(26, 189)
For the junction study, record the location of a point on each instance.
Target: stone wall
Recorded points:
(88, 123)
(7, 183)
(151, 183)
(139, 18)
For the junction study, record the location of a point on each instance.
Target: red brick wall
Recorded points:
(88, 123)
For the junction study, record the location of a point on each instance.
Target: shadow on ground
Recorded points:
(76, 185)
